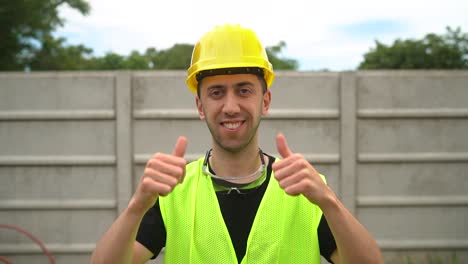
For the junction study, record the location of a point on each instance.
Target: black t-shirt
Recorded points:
(238, 210)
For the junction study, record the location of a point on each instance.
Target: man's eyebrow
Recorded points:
(215, 86)
(244, 83)
(239, 84)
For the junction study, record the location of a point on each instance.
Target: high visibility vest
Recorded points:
(284, 229)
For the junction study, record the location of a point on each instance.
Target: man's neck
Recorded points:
(228, 164)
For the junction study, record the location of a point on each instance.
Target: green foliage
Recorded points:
(24, 23)
(53, 55)
(176, 58)
(448, 51)
(110, 61)
(26, 28)
(278, 63)
(136, 61)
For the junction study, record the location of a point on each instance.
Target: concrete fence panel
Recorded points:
(393, 145)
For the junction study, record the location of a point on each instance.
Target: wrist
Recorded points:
(329, 202)
(138, 208)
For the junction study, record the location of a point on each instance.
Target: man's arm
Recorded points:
(296, 176)
(162, 173)
(354, 243)
(118, 243)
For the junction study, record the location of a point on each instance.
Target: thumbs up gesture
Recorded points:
(297, 176)
(162, 173)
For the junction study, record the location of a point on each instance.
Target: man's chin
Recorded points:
(233, 143)
(231, 146)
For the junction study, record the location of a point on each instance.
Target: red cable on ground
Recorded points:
(39, 242)
(5, 260)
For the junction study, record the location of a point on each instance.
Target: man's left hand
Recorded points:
(297, 176)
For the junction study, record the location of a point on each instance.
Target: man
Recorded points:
(237, 204)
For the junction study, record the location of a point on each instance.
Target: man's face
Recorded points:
(232, 106)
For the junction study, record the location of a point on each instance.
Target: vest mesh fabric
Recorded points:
(284, 229)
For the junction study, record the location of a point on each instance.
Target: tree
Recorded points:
(278, 63)
(110, 61)
(448, 51)
(54, 55)
(25, 24)
(175, 58)
(26, 41)
(136, 61)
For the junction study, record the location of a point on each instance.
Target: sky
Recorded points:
(327, 34)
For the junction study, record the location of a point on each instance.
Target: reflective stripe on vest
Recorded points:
(284, 229)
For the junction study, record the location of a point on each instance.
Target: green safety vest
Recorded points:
(284, 229)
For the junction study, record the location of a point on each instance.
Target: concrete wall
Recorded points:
(393, 145)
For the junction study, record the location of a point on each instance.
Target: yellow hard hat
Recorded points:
(228, 47)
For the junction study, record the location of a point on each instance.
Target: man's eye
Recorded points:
(215, 93)
(244, 91)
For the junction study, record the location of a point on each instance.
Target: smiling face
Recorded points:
(232, 106)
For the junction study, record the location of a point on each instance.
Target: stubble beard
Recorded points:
(233, 149)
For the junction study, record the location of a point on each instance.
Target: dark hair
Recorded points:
(250, 70)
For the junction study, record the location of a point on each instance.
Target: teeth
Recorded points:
(232, 125)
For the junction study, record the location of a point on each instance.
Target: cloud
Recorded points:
(329, 34)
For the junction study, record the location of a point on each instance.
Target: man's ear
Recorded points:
(266, 102)
(198, 102)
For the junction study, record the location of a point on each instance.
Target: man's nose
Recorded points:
(231, 104)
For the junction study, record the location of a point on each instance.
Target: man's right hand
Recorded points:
(162, 173)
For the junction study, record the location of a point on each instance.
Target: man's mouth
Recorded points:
(231, 125)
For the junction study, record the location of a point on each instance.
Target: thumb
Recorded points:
(180, 147)
(282, 146)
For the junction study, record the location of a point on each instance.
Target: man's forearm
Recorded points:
(354, 243)
(160, 176)
(116, 245)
